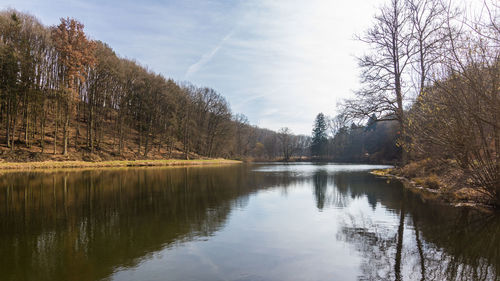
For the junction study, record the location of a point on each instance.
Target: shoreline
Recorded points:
(440, 196)
(20, 166)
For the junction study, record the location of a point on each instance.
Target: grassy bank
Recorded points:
(438, 180)
(117, 163)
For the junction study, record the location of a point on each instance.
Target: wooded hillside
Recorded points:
(65, 96)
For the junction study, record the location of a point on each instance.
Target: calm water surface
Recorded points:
(242, 222)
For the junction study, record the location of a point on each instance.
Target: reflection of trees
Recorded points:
(381, 246)
(362, 184)
(462, 245)
(82, 225)
(420, 250)
(320, 181)
(326, 189)
(444, 243)
(399, 244)
(374, 243)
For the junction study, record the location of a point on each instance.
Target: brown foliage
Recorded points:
(75, 51)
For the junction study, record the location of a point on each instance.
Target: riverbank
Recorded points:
(442, 182)
(115, 163)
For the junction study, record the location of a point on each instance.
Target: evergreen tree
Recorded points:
(319, 137)
(372, 123)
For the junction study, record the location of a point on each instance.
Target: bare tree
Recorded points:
(285, 138)
(384, 68)
(427, 20)
(459, 115)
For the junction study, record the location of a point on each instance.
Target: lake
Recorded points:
(298, 221)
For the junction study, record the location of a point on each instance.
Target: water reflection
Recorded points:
(425, 241)
(257, 221)
(82, 225)
(320, 181)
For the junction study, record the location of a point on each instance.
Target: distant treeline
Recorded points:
(62, 93)
(336, 139)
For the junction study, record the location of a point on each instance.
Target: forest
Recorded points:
(65, 96)
(433, 71)
(339, 139)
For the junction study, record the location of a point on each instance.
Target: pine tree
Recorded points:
(319, 136)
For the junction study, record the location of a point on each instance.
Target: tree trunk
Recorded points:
(91, 128)
(42, 129)
(140, 143)
(56, 129)
(26, 127)
(7, 121)
(77, 126)
(66, 131)
(146, 145)
(13, 136)
(120, 146)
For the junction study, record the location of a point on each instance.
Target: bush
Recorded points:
(432, 182)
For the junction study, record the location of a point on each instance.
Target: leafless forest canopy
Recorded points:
(64, 94)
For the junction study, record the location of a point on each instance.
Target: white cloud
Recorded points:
(296, 56)
(192, 69)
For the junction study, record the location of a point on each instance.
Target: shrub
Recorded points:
(432, 182)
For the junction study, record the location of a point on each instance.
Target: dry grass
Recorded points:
(432, 181)
(382, 173)
(118, 163)
(444, 178)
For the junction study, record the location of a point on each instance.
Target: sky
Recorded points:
(279, 62)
